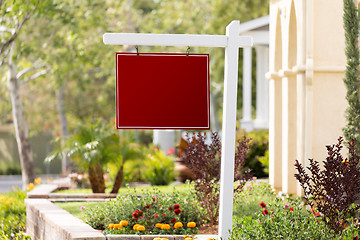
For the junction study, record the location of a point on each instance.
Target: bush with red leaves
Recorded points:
(333, 190)
(204, 160)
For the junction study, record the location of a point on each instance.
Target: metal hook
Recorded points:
(187, 51)
(137, 50)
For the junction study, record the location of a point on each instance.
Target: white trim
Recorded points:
(166, 55)
(254, 24)
(173, 40)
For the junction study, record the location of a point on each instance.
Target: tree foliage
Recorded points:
(351, 80)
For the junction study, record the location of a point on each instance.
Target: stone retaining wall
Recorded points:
(45, 220)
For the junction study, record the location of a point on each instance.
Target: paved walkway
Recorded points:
(8, 182)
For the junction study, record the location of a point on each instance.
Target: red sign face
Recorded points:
(162, 91)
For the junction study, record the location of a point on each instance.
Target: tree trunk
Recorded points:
(93, 179)
(96, 178)
(118, 180)
(100, 176)
(21, 130)
(63, 126)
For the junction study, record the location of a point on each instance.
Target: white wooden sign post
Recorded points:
(232, 41)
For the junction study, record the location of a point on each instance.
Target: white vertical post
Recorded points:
(262, 88)
(228, 130)
(246, 121)
(165, 139)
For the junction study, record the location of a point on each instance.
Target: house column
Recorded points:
(262, 88)
(165, 139)
(246, 121)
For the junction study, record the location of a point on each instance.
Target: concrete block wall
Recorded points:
(44, 220)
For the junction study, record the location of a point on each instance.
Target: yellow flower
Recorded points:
(8, 202)
(37, 180)
(191, 224)
(111, 226)
(2, 198)
(164, 239)
(178, 225)
(141, 228)
(189, 238)
(158, 225)
(157, 239)
(135, 226)
(124, 223)
(165, 227)
(31, 186)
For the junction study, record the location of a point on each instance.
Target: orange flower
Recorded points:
(178, 225)
(141, 228)
(37, 180)
(165, 227)
(117, 226)
(124, 223)
(158, 225)
(135, 226)
(31, 186)
(111, 226)
(8, 202)
(191, 224)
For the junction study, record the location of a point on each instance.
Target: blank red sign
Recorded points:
(162, 91)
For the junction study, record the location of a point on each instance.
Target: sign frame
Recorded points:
(232, 41)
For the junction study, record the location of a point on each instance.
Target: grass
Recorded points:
(165, 189)
(75, 207)
(246, 202)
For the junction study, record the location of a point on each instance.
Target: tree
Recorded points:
(351, 80)
(91, 147)
(15, 15)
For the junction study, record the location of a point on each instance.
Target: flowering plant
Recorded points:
(159, 213)
(286, 219)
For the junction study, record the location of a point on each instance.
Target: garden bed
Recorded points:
(45, 220)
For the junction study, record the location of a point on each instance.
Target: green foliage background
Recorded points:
(67, 36)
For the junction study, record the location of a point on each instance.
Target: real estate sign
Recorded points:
(162, 91)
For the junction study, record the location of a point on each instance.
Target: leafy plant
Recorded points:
(246, 202)
(257, 159)
(333, 190)
(146, 208)
(159, 168)
(92, 147)
(13, 215)
(204, 160)
(352, 73)
(280, 220)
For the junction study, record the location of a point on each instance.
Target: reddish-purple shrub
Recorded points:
(204, 160)
(333, 190)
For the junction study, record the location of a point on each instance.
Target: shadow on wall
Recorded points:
(9, 156)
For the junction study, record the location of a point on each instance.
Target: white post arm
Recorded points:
(174, 40)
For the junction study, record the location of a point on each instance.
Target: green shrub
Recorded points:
(159, 168)
(246, 202)
(12, 215)
(286, 220)
(150, 203)
(256, 159)
(134, 171)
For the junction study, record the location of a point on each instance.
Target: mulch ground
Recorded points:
(208, 229)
